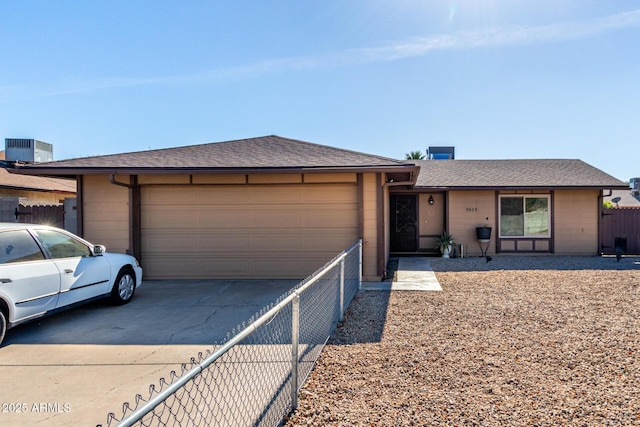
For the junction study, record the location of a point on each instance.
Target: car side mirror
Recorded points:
(99, 250)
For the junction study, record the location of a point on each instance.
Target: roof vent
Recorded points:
(27, 150)
(441, 153)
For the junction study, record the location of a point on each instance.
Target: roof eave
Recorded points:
(62, 172)
(36, 189)
(520, 187)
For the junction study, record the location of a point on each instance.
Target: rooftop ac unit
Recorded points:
(635, 186)
(441, 153)
(27, 150)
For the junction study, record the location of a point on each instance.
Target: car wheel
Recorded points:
(3, 325)
(124, 287)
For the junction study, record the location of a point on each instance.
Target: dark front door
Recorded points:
(404, 233)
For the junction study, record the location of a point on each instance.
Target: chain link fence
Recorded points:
(253, 377)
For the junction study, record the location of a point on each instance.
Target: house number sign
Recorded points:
(472, 209)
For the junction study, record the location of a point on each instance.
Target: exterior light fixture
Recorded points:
(430, 199)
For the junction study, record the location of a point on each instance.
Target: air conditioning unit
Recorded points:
(635, 186)
(27, 150)
(441, 153)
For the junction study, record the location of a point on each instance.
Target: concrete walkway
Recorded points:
(414, 274)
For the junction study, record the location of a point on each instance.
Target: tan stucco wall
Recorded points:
(106, 206)
(575, 231)
(106, 212)
(430, 220)
(468, 210)
(370, 227)
(386, 225)
(576, 222)
(32, 198)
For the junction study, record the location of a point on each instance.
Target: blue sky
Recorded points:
(494, 78)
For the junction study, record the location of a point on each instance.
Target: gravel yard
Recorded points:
(533, 341)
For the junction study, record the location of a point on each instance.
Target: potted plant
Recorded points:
(444, 243)
(484, 232)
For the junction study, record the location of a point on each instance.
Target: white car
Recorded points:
(45, 269)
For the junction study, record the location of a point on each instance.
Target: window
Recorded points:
(61, 245)
(18, 246)
(524, 216)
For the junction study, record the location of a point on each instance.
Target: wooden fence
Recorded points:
(620, 228)
(49, 215)
(65, 215)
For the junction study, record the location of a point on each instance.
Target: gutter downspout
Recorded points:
(112, 180)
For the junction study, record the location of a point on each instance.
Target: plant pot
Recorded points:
(446, 251)
(483, 233)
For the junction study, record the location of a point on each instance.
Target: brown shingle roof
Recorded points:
(267, 152)
(541, 173)
(36, 183)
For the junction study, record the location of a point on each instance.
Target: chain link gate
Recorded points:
(253, 377)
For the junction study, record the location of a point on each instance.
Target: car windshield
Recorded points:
(61, 245)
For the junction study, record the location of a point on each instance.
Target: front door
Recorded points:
(404, 221)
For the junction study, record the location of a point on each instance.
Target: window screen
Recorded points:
(524, 216)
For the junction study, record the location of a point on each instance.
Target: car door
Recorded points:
(28, 282)
(82, 275)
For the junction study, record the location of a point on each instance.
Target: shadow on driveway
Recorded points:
(84, 363)
(161, 312)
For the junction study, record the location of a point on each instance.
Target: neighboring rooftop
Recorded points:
(500, 174)
(624, 199)
(36, 183)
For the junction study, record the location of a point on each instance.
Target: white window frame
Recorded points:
(524, 197)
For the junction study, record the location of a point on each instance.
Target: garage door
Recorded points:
(245, 231)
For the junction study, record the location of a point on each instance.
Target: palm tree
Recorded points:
(414, 155)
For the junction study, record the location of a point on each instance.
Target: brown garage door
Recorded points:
(245, 231)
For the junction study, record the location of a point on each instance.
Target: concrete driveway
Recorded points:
(75, 367)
